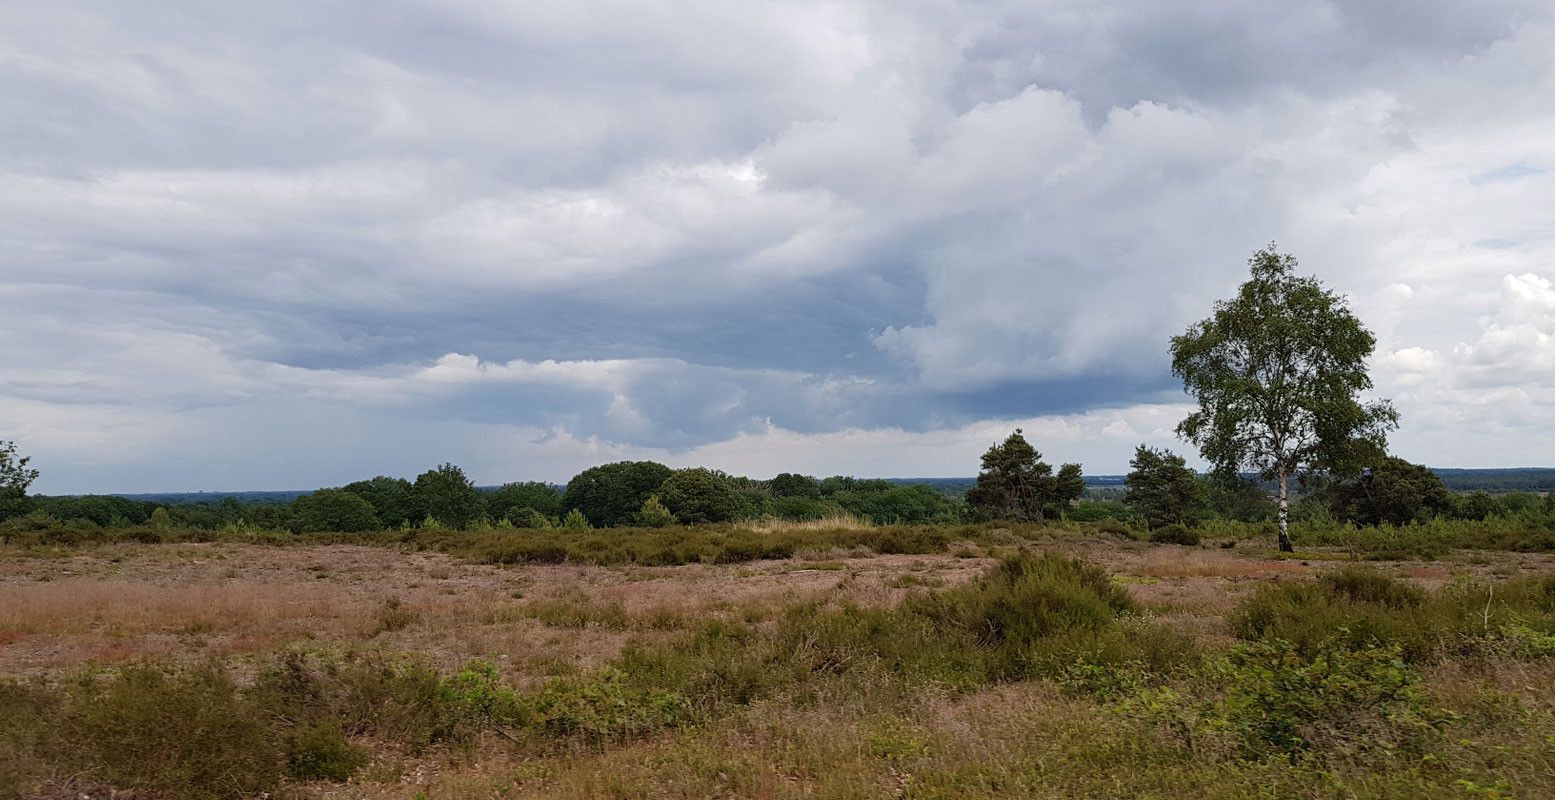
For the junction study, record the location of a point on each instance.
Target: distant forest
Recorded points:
(1522, 479)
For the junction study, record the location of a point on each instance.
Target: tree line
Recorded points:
(1277, 373)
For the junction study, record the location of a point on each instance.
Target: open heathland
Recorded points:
(1017, 660)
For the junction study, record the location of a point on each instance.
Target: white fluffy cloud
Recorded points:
(772, 236)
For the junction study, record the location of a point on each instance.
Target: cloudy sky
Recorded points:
(295, 243)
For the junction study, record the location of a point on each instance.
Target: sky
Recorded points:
(295, 243)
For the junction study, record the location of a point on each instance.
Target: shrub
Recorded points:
(1370, 586)
(1282, 700)
(654, 514)
(611, 494)
(181, 733)
(29, 736)
(1308, 614)
(528, 518)
(1022, 602)
(605, 707)
(1370, 609)
(697, 496)
(320, 751)
(1114, 527)
(1175, 534)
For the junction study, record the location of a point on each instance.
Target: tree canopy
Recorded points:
(15, 475)
(334, 510)
(700, 495)
(611, 494)
(448, 496)
(1162, 488)
(512, 498)
(1277, 372)
(1395, 492)
(1016, 484)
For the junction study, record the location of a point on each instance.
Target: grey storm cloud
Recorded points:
(295, 243)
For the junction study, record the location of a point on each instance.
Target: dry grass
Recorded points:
(1167, 563)
(123, 602)
(841, 521)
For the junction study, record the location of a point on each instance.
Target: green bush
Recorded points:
(1281, 700)
(321, 751)
(605, 707)
(654, 514)
(1024, 601)
(1175, 534)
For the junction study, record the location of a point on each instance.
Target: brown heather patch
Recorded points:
(116, 603)
(1162, 563)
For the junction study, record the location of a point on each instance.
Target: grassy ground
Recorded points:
(1004, 662)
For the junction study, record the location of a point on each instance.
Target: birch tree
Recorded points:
(1277, 372)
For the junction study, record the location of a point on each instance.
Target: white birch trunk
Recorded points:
(1285, 545)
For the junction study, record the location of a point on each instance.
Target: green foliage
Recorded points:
(448, 496)
(1024, 601)
(478, 691)
(1363, 608)
(1370, 586)
(654, 514)
(801, 508)
(529, 518)
(394, 500)
(1395, 492)
(15, 475)
(605, 707)
(576, 521)
(788, 484)
(1276, 372)
(898, 504)
(1229, 496)
(1162, 488)
(1281, 699)
(1016, 484)
(1175, 534)
(1475, 506)
(334, 510)
(611, 494)
(697, 496)
(512, 499)
(321, 751)
(30, 736)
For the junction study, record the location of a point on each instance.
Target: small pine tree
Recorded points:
(1162, 488)
(576, 521)
(1015, 483)
(160, 519)
(654, 514)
